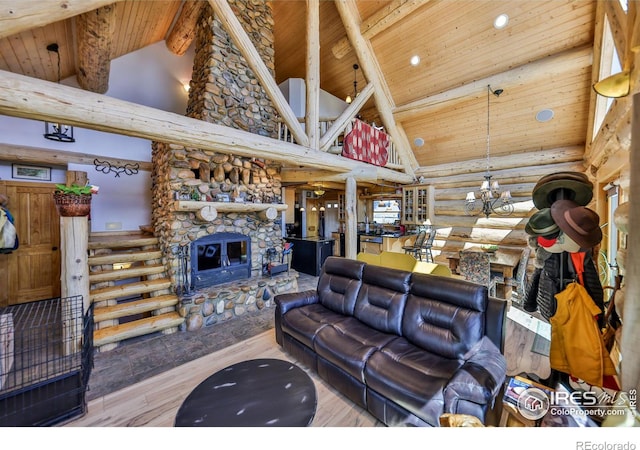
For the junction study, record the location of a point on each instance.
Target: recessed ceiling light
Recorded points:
(418, 142)
(415, 60)
(501, 21)
(544, 115)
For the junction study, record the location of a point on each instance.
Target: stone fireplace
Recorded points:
(224, 91)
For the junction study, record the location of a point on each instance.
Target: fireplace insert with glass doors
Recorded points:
(220, 258)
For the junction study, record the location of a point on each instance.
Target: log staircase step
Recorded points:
(123, 274)
(132, 307)
(129, 289)
(123, 257)
(136, 328)
(122, 241)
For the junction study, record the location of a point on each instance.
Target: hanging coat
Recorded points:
(549, 284)
(8, 236)
(577, 347)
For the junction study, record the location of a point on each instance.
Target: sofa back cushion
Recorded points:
(445, 316)
(382, 298)
(339, 283)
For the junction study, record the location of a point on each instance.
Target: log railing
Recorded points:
(284, 134)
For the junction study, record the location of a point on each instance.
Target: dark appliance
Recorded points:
(309, 254)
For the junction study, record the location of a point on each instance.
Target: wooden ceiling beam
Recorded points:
(31, 98)
(18, 16)
(383, 19)
(183, 31)
(368, 62)
(535, 72)
(230, 22)
(35, 155)
(94, 31)
(552, 156)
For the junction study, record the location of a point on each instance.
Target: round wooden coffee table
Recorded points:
(254, 393)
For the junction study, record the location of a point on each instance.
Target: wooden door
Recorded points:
(32, 272)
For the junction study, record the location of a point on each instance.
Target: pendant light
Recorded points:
(56, 131)
(349, 99)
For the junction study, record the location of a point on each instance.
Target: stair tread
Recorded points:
(120, 287)
(122, 241)
(133, 271)
(129, 289)
(136, 328)
(134, 307)
(127, 256)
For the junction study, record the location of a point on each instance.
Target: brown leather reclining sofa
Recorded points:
(407, 347)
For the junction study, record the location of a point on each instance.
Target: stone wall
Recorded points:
(224, 91)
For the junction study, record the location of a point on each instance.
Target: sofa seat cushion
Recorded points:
(348, 344)
(304, 323)
(411, 377)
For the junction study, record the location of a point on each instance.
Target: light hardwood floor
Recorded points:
(155, 401)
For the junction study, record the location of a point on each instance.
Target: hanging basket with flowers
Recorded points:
(74, 200)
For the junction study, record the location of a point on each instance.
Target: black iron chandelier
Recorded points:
(492, 199)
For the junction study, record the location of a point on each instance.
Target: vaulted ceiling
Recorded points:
(541, 60)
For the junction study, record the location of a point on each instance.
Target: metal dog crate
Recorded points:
(46, 357)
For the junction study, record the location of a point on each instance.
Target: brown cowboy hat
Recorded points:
(541, 224)
(578, 222)
(574, 185)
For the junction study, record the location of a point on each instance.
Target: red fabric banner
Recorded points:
(366, 143)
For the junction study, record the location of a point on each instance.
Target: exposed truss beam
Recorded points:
(30, 98)
(384, 18)
(183, 31)
(17, 16)
(368, 62)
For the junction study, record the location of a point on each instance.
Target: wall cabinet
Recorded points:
(417, 204)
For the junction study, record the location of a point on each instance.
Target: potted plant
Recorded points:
(74, 200)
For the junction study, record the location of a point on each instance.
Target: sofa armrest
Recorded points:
(479, 379)
(286, 302)
(496, 319)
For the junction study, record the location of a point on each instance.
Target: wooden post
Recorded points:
(76, 177)
(351, 222)
(630, 375)
(74, 277)
(313, 73)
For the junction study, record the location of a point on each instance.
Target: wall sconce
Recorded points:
(322, 208)
(58, 132)
(301, 209)
(614, 86)
(313, 208)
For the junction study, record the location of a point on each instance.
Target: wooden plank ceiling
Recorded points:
(541, 60)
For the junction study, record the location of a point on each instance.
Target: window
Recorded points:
(386, 211)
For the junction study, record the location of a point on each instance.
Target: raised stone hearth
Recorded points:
(226, 301)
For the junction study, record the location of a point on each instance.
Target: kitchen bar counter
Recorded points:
(375, 244)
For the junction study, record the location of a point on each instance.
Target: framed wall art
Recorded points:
(27, 172)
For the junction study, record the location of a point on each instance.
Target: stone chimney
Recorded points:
(225, 91)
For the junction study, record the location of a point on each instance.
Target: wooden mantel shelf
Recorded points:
(208, 211)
